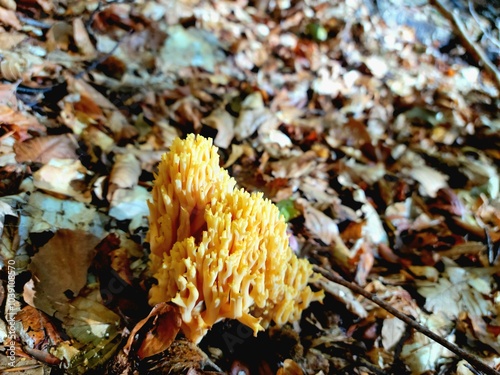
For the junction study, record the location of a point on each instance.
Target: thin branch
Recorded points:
(473, 48)
(478, 364)
(486, 33)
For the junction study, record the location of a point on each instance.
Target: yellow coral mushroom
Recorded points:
(220, 252)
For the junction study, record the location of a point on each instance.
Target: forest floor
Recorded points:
(373, 125)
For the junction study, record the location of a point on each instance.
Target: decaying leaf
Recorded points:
(43, 212)
(430, 180)
(43, 149)
(60, 267)
(8, 17)
(190, 47)
(94, 328)
(221, 120)
(124, 175)
(320, 225)
(61, 176)
(420, 353)
(459, 289)
(155, 333)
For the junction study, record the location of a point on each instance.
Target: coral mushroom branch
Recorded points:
(220, 252)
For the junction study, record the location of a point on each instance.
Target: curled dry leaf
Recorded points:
(296, 166)
(46, 5)
(251, 119)
(125, 174)
(43, 149)
(126, 171)
(59, 176)
(12, 69)
(155, 333)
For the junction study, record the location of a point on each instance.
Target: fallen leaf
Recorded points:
(60, 268)
(420, 353)
(344, 295)
(124, 175)
(458, 289)
(221, 120)
(155, 333)
(37, 331)
(43, 149)
(190, 47)
(21, 123)
(318, 224)
(60, 176)
(431, 181)
(43, 212)
(94, 330)
(82, 39)
(9, 18)
(130, 204)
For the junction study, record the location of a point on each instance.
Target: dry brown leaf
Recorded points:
(290, 367)
(431, 181)
(115, 120)
(82, 39)
(19, 122)
(124, 175)
(60, 176)
(59, 36)
(155, 333)
(320, 225)
(252, 119)
(296, 166)
(8, 4)
(46, 5)
(8, 94)
(344, 295)
(9, 18)
(12, 67)
(60, 267)
(221, 120)
(37, 329)
(9, 40)
(43, 149)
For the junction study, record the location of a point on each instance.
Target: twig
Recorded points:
(484, 31)
(475, 50)
(478, 364)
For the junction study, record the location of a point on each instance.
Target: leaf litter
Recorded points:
(368, 124)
